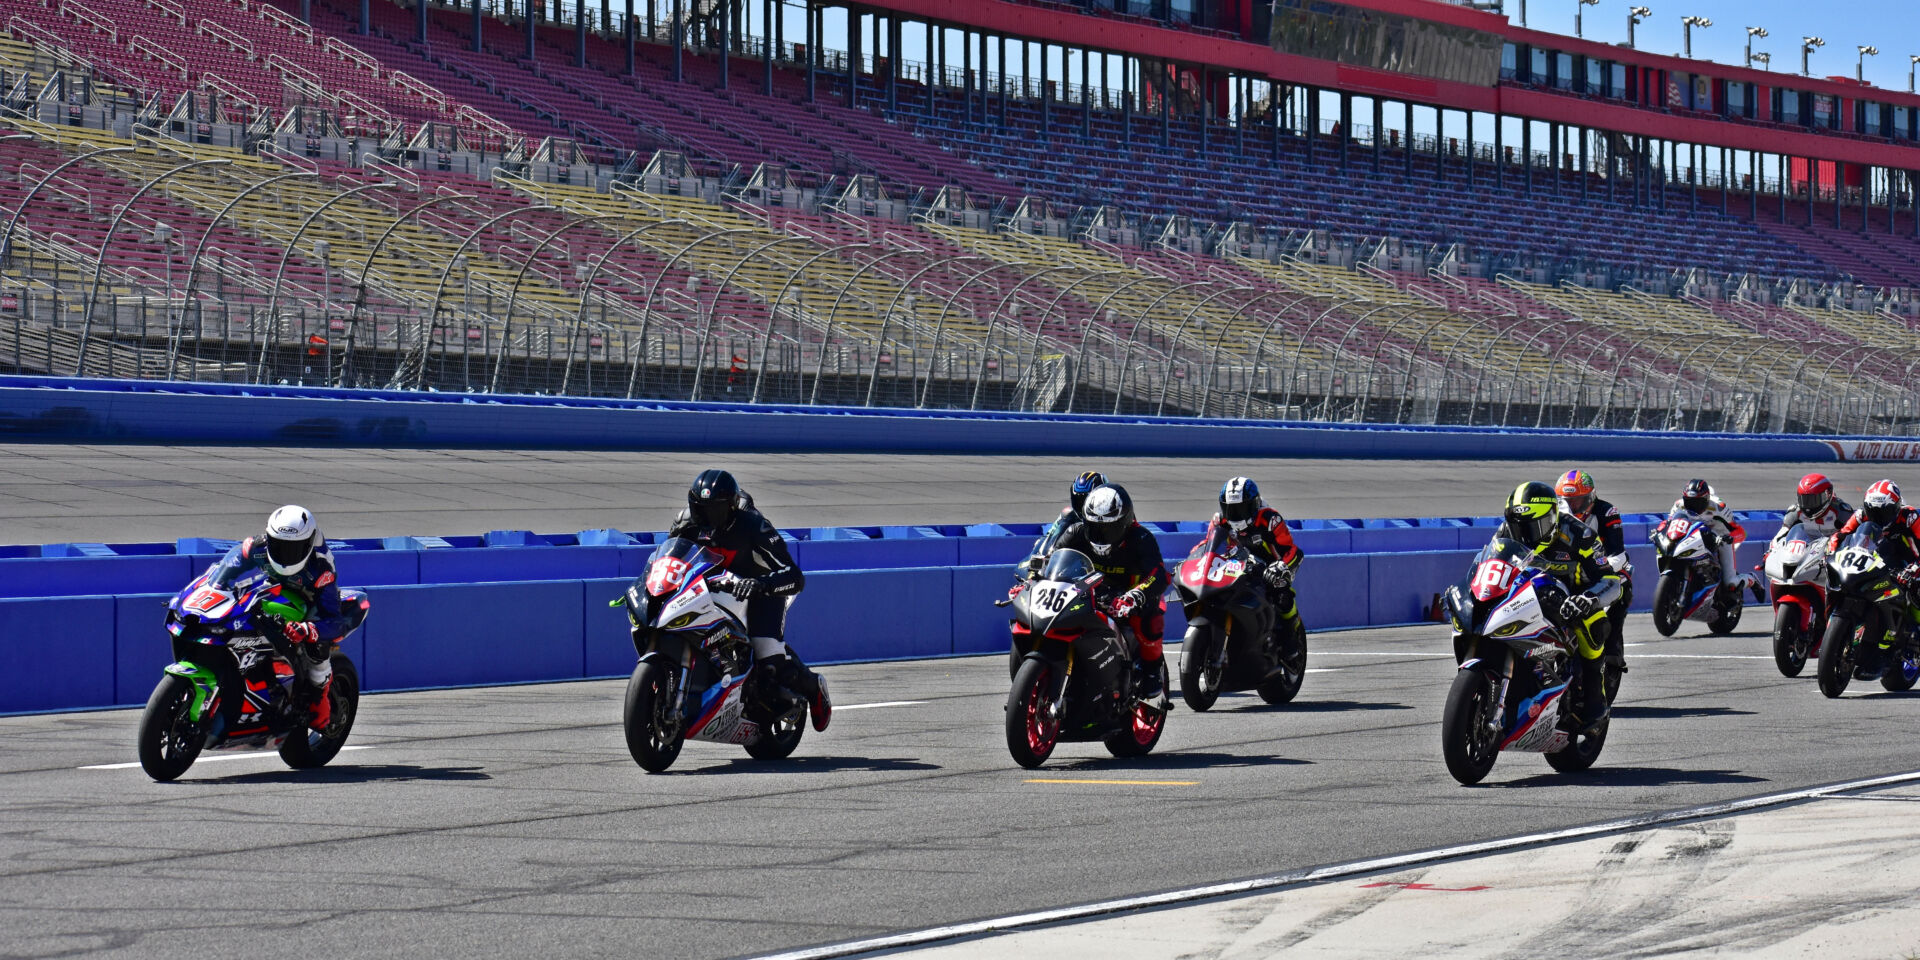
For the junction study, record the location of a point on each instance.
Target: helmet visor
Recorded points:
(1694, 504)
(1530, 525)
(1106, 534)
(1579, 503)
(289, 554)
(1811, 503)
(712, 513)
(1239, 511)
(1882, 513)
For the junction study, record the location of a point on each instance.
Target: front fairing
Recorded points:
(1057, 608)
(1215, 572)
(1501, 598)
(1793, 559)
(233, 598)
(1858, 569)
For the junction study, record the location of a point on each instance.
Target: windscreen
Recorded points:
(690, 551)
(1067, 565)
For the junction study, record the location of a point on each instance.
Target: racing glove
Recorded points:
(1125, 604)
(1577, 607)
(745, 588)
(1618, 562)
(302, 632)
(1278, 575)
(1909, 577)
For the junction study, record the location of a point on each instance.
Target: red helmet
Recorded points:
(1882, 503)
(1814, 494)
(1576, 488)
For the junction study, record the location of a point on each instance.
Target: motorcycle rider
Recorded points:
(1579, 502)
(1899, 548)
(1129, 556)
(1076, 498)
(763, 574)
(1815, 508)
(297, 561)
(1572, 554)
(1263, 532)
(1699, 502)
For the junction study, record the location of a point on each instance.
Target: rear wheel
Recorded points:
(1199, 678)
(1032, 730)
(307, 748)
(1901, 669)
(1729, 617)
(168, 740)
(1284, 683)
(1469, 730)
(780, 738)
(1836, 656)
(1144, 731)
(1581, 751)
(1669, 599)
(652, 737)
(1789, 640)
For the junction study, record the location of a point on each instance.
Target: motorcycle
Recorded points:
(1517, 676)
(1077, 681)
(695, 678)
(1689, 585)
(231, 685)
(1796, 569)
(1868, 604)
(1230, 642)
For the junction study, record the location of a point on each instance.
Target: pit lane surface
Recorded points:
(118, 494)
(511, 822)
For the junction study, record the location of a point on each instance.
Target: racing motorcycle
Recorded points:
(1077, 681)
(695, 679)
(1868, 606)
(1516, 677)
(230, 686)
(1230, 643)
(1689, 585)
(1796, 569)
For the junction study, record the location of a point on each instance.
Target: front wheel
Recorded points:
(1669, 601)
(1032, 729)
(1789, 640)
(306, 748)
(1469, 730)
(1283, 684)
(1836, 656)
(169, 741)
(1199, 678)
(652, 737)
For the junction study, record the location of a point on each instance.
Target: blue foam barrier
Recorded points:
(56, 653)
(452, 635)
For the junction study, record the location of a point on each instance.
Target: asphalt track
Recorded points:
(119, 494)
(509, 822)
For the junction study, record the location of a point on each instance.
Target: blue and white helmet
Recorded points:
(1239, 502)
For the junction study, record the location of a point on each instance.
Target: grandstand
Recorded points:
(1202, 214)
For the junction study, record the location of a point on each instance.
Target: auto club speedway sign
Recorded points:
(1878, 450)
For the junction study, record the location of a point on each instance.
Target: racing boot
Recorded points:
(1591, 708)
(1759, 592)
(1148, 686)
(794, 675)
(820, 706)
(1871, 661)
(315, 702)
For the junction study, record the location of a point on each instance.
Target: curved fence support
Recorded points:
(873, 380)
(425, 346)
(280, 271)
(946, 307)
(100, 258)
(366, 266)
(199, 250)
(773, 308)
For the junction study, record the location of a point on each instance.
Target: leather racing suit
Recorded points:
(753, 549)
(1572, 556)
(1133, 565)
(1603, 519)
(1727, 533)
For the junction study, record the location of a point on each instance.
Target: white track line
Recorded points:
(914, 938)
(230, 756)
(884, 703)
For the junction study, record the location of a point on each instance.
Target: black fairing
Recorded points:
(1212, 603)
(1100, 683)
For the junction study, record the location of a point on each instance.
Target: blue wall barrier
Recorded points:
(67, 653)
(136, 411)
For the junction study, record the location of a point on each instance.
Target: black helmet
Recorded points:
(712, 498)
(1083, 485)
(1531, 511)
(1239, 501)
(1108, 515)
(1697, 497)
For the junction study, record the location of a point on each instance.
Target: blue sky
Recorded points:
(1844, 24)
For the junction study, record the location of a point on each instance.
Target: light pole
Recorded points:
(1752, 32)
(1764, 58)
(1580, 7)
(1689, 24)
(1807, 46)
(1911, 61)
(1523, 12)
(1634, 17)
(1860, 65)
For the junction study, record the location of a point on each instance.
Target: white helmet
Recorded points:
(292, 537)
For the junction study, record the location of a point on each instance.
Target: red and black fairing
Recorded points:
(1058, 618)
(1223, 595)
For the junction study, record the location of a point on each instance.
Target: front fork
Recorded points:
(206, 693)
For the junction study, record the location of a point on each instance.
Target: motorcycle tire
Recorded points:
(1014, 656)
(1667, 600)
(640, 715)
(1789, 641)
(307, 749)
(780, 739)
(168, 741)
(1580, 752)
(1836, 657)
(1611, 675)
(1199, 681)
(1282, 687)
(1148, 723)
(1031, 737)
(1469, 748)
(1901, 674)
(1727, 621)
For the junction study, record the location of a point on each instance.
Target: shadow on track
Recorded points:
(1670, 713)
(1605, 776)
(348, 773)
(1165, 762)
(1326, 706)
(811, 765)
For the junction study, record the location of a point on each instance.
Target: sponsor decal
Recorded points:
(1882, 451)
